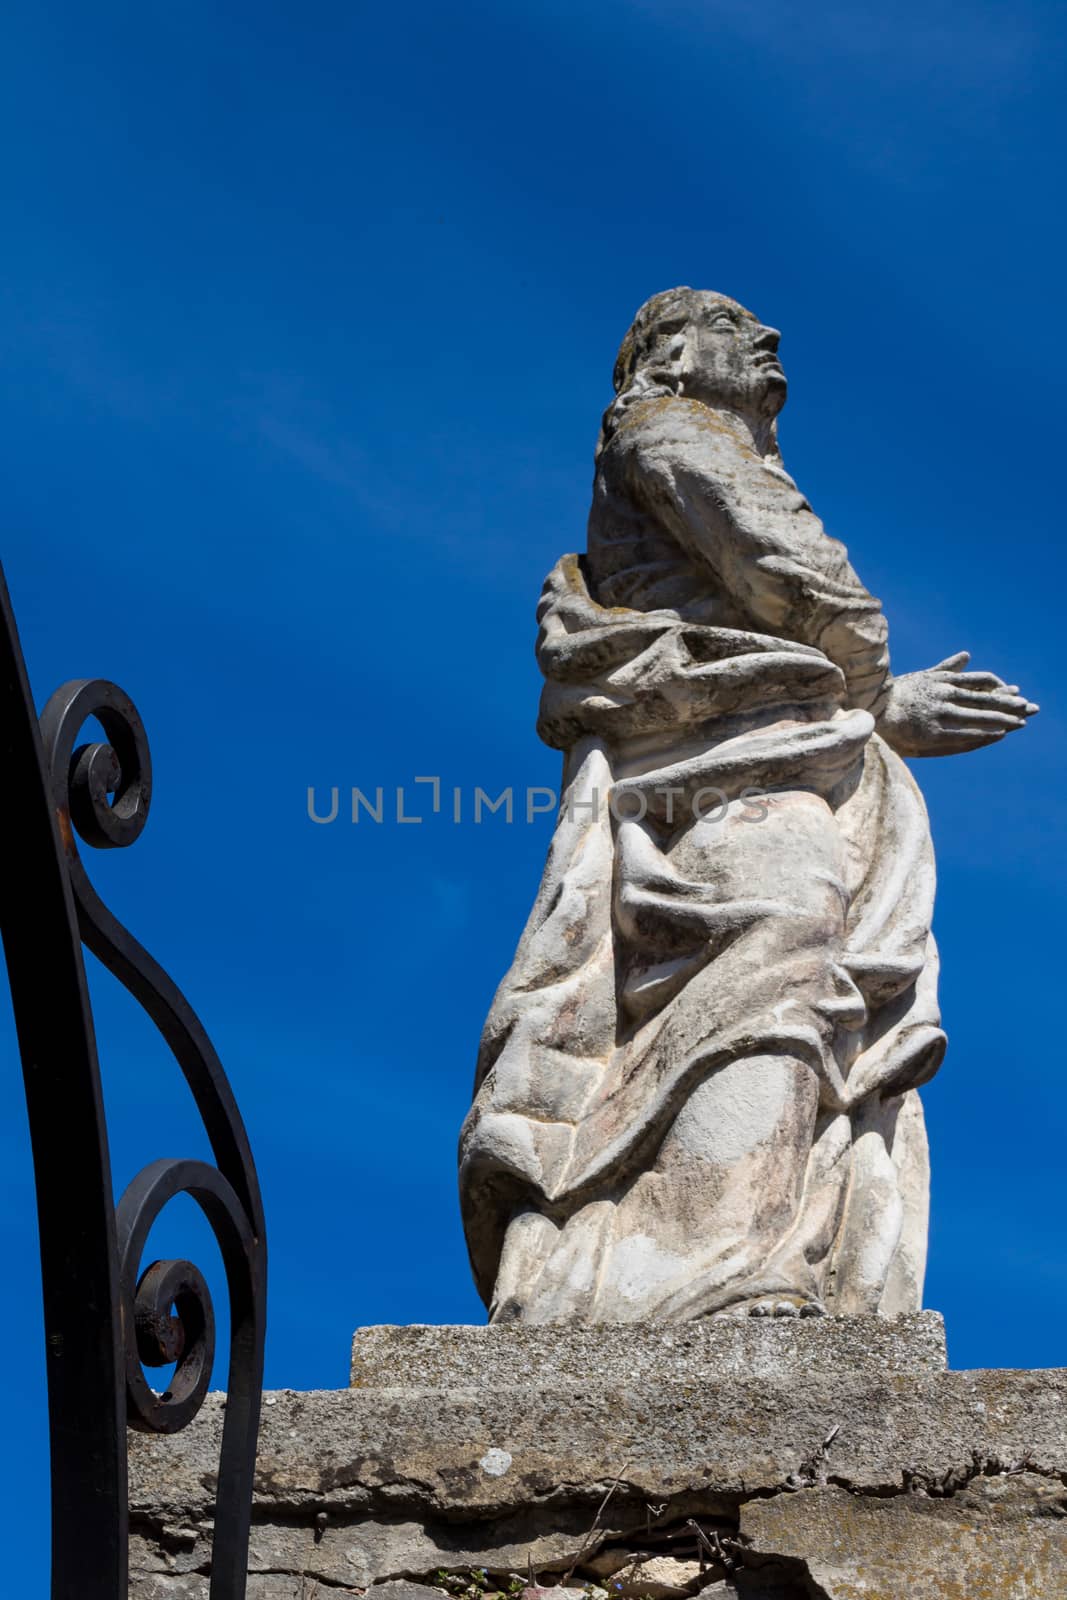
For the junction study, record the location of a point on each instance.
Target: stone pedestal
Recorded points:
(626, 1355)
(829, 1458)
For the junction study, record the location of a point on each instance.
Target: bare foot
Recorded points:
(775, 1305)
(785, 1305)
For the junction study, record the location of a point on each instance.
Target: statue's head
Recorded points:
(706, 347)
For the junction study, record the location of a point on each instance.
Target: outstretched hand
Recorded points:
(946, 710)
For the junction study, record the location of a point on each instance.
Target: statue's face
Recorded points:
(731, 358)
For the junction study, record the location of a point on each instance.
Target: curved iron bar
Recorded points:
(79, 1258)
(188, 1337)
(105, 1319)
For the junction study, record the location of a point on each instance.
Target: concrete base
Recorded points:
(834, 1459)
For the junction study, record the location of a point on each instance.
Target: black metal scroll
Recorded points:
(105, 1317)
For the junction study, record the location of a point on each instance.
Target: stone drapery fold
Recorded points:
(738, 891)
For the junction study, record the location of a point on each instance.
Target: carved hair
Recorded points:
(656, 332)
(651, 357)
(649, 362)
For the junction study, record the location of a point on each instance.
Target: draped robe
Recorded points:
(697, 1083)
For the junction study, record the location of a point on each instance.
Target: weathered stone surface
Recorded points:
(366, 1485)
(400, 1589)
(697, 1085)
(765, 1583)
(421, 1454)
(658, 1577)
(535, 1591)
(973, 1545)
(551, 1355)
(275, 1586)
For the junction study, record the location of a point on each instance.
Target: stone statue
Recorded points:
(697, 1087)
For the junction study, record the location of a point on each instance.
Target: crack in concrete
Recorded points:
(180, 1529)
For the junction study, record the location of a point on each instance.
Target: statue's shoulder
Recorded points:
(671, 425)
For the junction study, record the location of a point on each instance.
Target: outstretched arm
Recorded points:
(945, 710)
(751, 526)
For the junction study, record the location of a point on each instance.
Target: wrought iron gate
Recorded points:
(106, 1318)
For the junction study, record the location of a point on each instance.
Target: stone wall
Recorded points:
(831, 1458)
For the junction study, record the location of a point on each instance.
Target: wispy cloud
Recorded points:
(963, 45)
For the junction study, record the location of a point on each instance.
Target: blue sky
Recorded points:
(309, 315)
